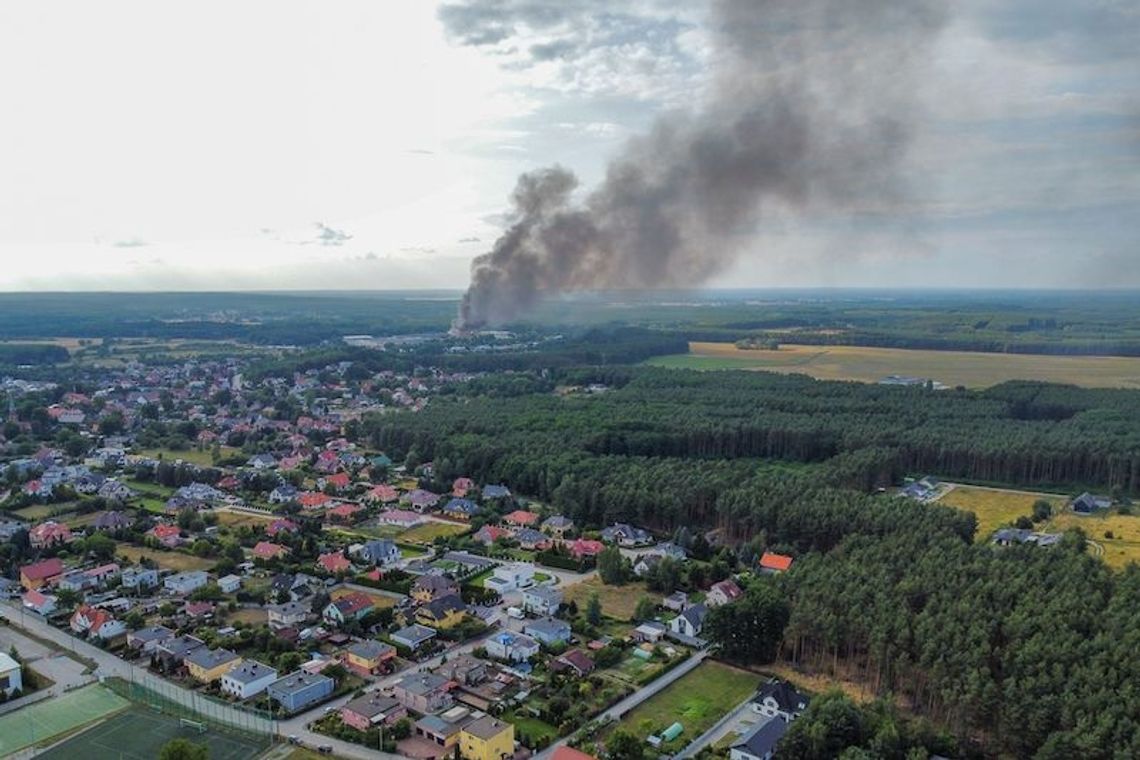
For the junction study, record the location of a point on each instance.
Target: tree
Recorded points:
(100, 546)
(622, 745)
(613, 568)
(1042, 510)
(183, 749)
(750, 629)
(594, 609)
(645, 609)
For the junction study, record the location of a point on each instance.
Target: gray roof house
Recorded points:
(299, 690)
(548, 630)
(760, 742)
(414, 636)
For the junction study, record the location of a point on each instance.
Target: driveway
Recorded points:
(53, 663)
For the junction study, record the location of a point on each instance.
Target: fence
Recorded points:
(178, 702)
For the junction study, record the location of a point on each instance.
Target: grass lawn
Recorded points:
(237, 519)
(1122, 548)
(248, 615)
(697, 701)
(618, 602)
(425, 533)
(968, 368)
(534, 728)
(193, 456)
(170, 560)
(996, 507)
(37, 511)
(632, 669)
(149, 489)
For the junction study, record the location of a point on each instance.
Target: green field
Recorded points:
(39, 722)
(165, 558)
(697, 700)
(968, 368)
(139, 734)
(425, 533)
(618, 602)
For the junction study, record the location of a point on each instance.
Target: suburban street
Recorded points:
(726, 725)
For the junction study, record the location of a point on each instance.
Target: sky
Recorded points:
(374, 145)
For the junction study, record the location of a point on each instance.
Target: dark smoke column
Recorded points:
(811, 108)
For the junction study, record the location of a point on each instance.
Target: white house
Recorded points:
(724, 592)
(779, 699)
(513, 647)
(139, 577)
(185, 583)
(229, 583)
(542, 600)
(10, 676)
(511, 577)
(288, 615)
(690, 622)
(248, 679)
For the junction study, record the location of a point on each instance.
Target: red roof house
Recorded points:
(334, 563)
(775, 563)
(269, 550)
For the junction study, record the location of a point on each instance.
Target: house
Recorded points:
(299, 690)
(428, 587)
(229, 583)
(1087, 503)
(487, 738)
(626, 535)
(423, 692)
(521, 518)
(148, 639)
(40, 603)
(413, 637)
(262, 461)
(381, 494)
(549, 631)
(281, 525)
(1011, 536)
(111, 521)
(173, 651)
(512, 647)
(583, 548)
(511, 577)
(646, 563)
(401, 518)
(690, 622)
(40, 574)
(313, 500)
(185, 583)
(494, 491)
(724, 592)
(650, 631)
(166, 534)
(529, 538)
(368, 657)
(471, 563)
(139, 577)
(96, 622)
(267, 550)
(671, 550)
(248, 679)
(440, 731)
(86, 580)
(372, 709)
(352, 606)
(334, 562)
(344, 513)
(558, 526)
(208, 665)
(420, 500)
(461, 486)
(283, 494)
(779, 699)
(10, 675)
(9, 589)
(771, 562)
(542, 600)
(49, 533)
(382, 552)
(489, 534)
(287, 615)
(676, 601)
(464, 670)
(443, 612)
(759, 742)
(461, 509)
(577, 661)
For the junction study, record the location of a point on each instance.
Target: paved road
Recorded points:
(66, 672)
(635, 699)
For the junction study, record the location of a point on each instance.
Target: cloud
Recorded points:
(329, 236)
(419, 250)
(471, 239)
(130, 243)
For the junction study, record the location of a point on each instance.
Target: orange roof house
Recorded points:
(775, 563)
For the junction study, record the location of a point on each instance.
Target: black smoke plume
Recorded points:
(811, 106)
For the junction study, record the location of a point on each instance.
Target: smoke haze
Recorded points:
(811, 106)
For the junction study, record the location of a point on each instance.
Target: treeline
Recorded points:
(32, 353)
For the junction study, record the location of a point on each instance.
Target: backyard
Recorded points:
(425, 533)
(618, 602)
(169, 560)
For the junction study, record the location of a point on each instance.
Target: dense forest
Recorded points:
(1022, 651)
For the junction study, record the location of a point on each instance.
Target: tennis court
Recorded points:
(140, 733)
(56, 715)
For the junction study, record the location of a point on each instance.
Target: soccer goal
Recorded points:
(194, 724)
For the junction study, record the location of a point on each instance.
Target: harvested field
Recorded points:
(865, 364)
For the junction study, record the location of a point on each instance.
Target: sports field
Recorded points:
(54, 716)
(971, 369)
(139, 734)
